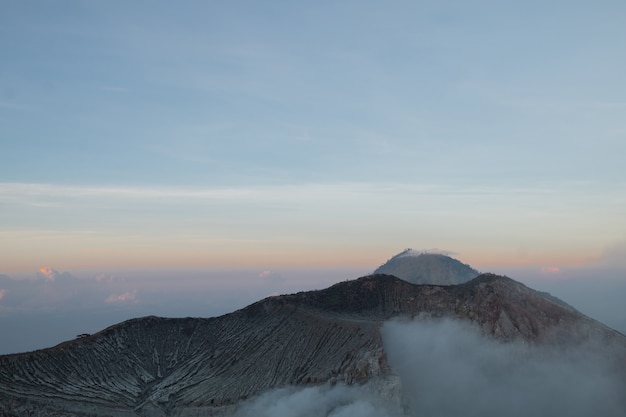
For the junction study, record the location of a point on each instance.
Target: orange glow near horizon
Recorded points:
(543, 260)
(270, 257)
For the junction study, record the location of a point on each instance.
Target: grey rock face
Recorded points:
(427, 268)
(192, 366)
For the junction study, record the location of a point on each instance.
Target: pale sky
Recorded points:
(239, 133)
(159, 134)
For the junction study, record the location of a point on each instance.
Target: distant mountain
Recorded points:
(204, 366)
(427, 268)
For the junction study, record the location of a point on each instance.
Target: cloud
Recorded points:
(109, 278)
(48, 274)
(271, 276)
(435, 251)
(551, 272)
(338, 401)
(448, 368)
(3, 292)
(266, 273)
(126, 297)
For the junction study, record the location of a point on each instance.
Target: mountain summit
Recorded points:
(427, 268)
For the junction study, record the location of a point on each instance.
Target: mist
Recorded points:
(338, 401)
(449, 368)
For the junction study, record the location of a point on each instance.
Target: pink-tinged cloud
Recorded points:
(2, 293)
(48, 274)
(127, 297)
(550, 270)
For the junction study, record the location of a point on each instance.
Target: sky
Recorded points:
(143, 139)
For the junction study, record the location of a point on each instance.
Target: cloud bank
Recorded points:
(448, 368)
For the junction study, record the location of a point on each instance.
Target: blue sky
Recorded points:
(281, 134)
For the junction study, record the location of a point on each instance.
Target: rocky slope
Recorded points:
(427, 268)
(182, 367)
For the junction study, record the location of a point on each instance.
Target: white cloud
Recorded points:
(266, 273)
(447, 368)
(337, 401)
(126, 297)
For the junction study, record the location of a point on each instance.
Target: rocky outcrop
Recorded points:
(427, 268)
(202, 366)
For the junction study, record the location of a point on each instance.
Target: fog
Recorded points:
(448, 368)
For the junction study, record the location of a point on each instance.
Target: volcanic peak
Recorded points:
(427, 268)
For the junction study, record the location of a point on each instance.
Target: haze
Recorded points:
(158, 158)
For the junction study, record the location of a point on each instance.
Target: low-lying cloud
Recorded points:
(126, 297)
(48, 274)
(338, 401)
(448, 368)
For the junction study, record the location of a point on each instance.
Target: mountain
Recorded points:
(427, 268)
(155, 366)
